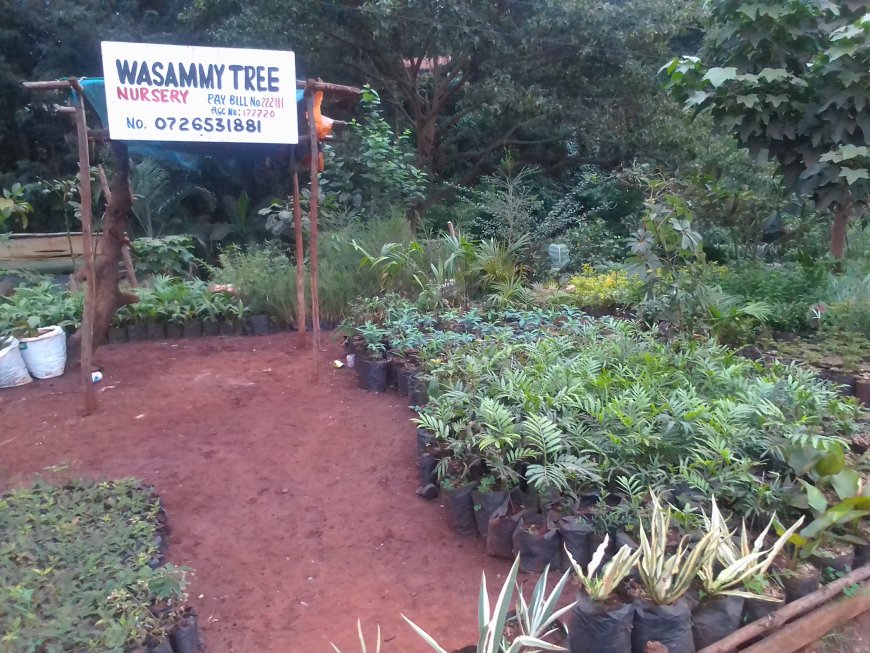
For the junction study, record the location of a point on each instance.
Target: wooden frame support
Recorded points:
(86, 135)
(312, 217)
(301, 320)
(87, 329)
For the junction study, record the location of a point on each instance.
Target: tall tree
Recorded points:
(791, 79)
(47, 40)
(473, 77)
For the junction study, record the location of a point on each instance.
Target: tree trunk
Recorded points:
(426, 143)
(842, 213)
(109, 297)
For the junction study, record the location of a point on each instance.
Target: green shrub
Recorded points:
(601, 406)
(164, 255)
(40, 305)
(848, 309)
(264, 278)
(75, 572)
(790, 289)
(608, 290)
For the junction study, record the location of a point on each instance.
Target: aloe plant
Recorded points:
(667, 577)
(600, 586)
(492, 620)
(740, 565)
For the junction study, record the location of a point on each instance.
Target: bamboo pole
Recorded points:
(87, 328)
(301, 320)
(814, 625)
(312, 217)
(787, 612)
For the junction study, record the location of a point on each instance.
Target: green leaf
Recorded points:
(852, 175)
(846, 483)
(773, 74)
(815, 498)
(718, 76)
(559, 255)
(750, 10)
(696, 98)
(841, 50)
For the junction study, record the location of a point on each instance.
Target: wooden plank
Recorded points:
(35, 247)
(49, 252)
(335, 89)
(814, 625)
(52, 85)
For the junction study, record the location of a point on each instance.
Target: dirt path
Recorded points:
(293, 501)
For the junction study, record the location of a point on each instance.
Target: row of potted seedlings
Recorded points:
(185, 636)
(390, 340)
(174, 308)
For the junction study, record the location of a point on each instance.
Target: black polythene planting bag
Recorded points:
(460, 509)
(485, 504)
(669, 624)
(597, 629)
(500, 532)
(577, 537)
(185, 638)
(372, 375)
(537, 548)
(716, 617)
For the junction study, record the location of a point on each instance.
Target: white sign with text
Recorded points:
(210, 95)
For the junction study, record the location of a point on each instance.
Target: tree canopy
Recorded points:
(792, 80)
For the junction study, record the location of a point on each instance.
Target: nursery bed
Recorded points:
(293, 501)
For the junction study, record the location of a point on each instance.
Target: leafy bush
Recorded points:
(166, 255)
(790, 289)
(78, 569)
(606, 290)
(263, 276)
(848, 310)
(506, 202)
(586, 406)
(40, 305)
(593, 216)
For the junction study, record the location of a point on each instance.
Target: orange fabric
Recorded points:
(306, 162)
(323, 124)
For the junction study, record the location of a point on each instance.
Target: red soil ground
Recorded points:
(293, 501)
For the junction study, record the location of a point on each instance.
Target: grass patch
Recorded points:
(79, 569)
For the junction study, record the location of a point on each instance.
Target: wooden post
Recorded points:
(312, 216)
(301, 320)
(87, 329)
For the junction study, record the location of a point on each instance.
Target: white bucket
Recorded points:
(13, 371)
(45, 355)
